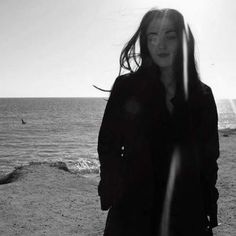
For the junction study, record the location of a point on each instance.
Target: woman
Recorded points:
(158, 142)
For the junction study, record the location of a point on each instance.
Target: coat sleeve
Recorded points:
(210, 146)
(109, 147)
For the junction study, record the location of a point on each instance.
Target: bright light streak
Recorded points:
(185, 64)
(174, 169)
(232, 106)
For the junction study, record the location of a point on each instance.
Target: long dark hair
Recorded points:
(132, 61)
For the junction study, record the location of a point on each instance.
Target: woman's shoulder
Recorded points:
(206, 89)
(125, 80)
(202, 90)
(203, 95)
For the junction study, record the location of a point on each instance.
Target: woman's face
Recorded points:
(162, 42)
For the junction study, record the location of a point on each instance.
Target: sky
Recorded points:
(60, 48)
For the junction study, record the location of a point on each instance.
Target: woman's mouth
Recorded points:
(163, 54)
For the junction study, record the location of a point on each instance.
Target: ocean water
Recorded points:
(56, 129)
(62, 129)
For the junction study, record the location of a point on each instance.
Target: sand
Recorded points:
(227, 184)
(46, 199)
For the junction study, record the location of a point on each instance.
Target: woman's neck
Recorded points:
(167, 78)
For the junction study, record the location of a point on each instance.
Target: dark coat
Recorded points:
(137, 139)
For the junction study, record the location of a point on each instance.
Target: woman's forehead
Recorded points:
(160, 24)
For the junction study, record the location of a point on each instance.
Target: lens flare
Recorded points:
(185, 64)
(174, 169)
(233, 106)
(163, 19)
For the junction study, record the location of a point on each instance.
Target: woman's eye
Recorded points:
(153, 39)
(171, 36)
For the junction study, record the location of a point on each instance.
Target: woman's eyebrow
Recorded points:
(170, 31)
(152, 33)
(165, 31)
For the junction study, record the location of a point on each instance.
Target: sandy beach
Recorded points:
(47, 199)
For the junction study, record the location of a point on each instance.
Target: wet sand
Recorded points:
(46, 199)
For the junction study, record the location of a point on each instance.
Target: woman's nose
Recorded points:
(161, 43)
